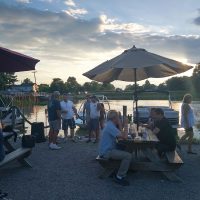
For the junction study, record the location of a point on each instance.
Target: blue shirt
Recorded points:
(108, 139)
(53, 107)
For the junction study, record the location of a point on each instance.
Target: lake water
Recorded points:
(37, 113)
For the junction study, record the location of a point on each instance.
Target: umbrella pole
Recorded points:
(136, 98)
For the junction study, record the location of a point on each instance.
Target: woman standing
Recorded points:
(187, 121)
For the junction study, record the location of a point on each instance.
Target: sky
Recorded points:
(71, 37)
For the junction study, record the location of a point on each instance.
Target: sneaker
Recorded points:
(121, 181)
(54, 146)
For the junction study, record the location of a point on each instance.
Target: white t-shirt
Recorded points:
(67, 106)
(94, 113)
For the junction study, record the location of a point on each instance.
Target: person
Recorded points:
(67, 114)
(93, 124)
(108, 147)
(54, 118)
(150, 122)
(102, 116)
(187, 121)
(2, 152)
(164, 132)
(86, 110)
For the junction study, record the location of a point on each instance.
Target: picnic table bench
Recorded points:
(153, 163)
(18, 154)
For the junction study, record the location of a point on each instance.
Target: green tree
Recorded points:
(44, 88)
(162, 86)
(72, 85)
(27, 81)
(57, 85)
(196, 78)
(7, 79)
(148, 86)
(179, 83)
(92, 86)
(107, 87)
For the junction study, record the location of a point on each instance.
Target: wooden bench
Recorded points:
(19, 154)
(174, 158)
(110, 166)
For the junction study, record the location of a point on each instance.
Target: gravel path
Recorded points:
(72, 174)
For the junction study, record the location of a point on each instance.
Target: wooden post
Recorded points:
(124, 111)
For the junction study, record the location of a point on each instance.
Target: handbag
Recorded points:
(28, 141)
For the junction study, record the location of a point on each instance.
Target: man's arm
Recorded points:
(75, 111)
(58, 109)
(98, 106)
(122, 134)
(156, 130)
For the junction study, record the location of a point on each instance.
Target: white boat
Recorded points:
(10, 115)
(102, 99)
(144, 111)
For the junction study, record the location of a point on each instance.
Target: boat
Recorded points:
(144, 111)
(10, 115)
(102, 99)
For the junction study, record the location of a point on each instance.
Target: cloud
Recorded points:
(67, 44)
(23, 1)
(76, 12)
(70, 3)
(197, 19)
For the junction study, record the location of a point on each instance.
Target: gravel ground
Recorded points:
(72, 174)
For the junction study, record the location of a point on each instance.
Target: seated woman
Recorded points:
(108, 149)
(164, 132)
(2, 153)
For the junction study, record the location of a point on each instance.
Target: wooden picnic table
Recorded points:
(13, 153)
(150, 161)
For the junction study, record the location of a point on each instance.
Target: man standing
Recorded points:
(54, 118)
(93, 124)
(68, 110)
(108, 148)
(86, 110)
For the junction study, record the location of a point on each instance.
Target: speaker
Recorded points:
(37, 130)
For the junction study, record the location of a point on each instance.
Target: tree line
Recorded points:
(184, 83)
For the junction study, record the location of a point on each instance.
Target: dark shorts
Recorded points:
(68, 123)
(189, 129)
(93, 124)
(55, 125)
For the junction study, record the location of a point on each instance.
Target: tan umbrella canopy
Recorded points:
(136, 64)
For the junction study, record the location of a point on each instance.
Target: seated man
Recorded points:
(107, 148)
(164, 132)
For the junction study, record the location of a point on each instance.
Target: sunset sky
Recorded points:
(71, 37)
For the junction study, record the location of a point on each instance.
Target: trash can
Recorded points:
(37, 130)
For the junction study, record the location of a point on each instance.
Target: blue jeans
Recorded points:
(2, 152)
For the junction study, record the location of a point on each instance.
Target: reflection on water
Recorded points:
(37, 113)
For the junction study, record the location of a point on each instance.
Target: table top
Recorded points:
(150, 138)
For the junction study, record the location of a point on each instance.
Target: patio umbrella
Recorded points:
(11, 61)
(134, 65)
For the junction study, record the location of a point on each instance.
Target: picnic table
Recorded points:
(13, 153)
(145, 158)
